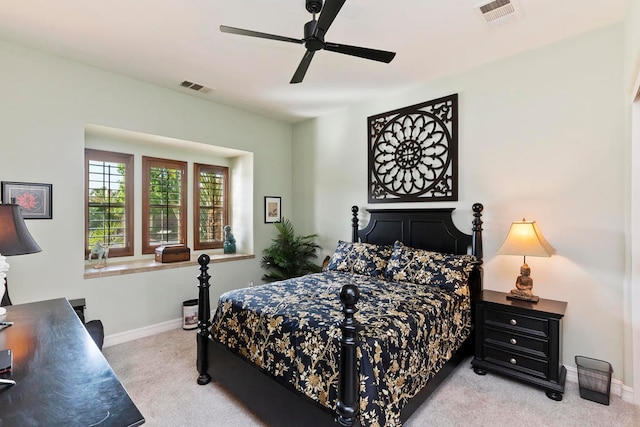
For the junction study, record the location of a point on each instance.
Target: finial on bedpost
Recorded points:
(204, 324)
(347, 407)
(354, 224)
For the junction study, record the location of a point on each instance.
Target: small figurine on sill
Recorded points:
(101, 251)
(229, 241)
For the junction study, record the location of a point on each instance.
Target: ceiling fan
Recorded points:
(313, 40)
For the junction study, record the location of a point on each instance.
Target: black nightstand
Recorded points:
(521, 340)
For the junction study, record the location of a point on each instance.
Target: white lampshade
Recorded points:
(525, 239)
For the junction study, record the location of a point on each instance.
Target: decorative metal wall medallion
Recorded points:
(413, 153)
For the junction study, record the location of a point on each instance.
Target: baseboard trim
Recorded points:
(617, 387)
(146, 331)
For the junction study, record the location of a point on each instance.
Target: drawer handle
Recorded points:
(513, 341)
(514, 322)
(513, 361)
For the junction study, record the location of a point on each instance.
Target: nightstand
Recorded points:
(521, 340)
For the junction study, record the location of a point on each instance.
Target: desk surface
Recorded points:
(61, 376)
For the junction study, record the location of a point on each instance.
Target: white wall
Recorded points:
(632, 86)
(541, 137)
(45, 104)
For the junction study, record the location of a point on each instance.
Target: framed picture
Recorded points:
(272, 209)
(34, 199)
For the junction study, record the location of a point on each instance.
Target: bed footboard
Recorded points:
(347, 407)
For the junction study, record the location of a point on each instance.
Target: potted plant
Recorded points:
(289, 255)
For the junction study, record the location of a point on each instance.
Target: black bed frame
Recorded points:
(278, 405)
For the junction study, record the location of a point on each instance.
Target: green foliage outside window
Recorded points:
(106, 204)
(164, 205)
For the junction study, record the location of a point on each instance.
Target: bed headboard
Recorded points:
(430, 229)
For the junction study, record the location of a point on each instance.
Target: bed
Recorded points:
(364, 342)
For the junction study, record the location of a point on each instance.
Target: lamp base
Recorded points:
(530, 298)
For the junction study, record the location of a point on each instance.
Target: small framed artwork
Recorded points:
(272, 209)
(34, 199)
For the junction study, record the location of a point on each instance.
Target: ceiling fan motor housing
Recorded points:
(311, 41)
(314, 6)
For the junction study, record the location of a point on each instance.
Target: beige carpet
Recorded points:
(160, 375)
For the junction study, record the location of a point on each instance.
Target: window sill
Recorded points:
(115, 268)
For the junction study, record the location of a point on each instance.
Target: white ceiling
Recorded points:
(167, 41)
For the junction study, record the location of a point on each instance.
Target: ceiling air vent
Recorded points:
(195, 86)
(497, 12)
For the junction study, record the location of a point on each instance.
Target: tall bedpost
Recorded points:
(354, 224)
(475, 281)
(476, 242)
(348, 406)
(204, 310)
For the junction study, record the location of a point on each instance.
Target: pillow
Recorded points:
(424, 267)
(360, 258)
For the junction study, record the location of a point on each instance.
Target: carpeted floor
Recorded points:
(160, 375)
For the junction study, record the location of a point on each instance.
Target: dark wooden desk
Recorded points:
(62, 379)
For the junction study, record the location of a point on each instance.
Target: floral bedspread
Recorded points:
(290, 329)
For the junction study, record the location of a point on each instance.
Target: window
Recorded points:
(211, 212)
(164, 208)
(109, 201)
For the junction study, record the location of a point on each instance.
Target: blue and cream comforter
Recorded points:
(290, 329)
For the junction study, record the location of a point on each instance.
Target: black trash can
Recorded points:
(190, 314)
(594, 379)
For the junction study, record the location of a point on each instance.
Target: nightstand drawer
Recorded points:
(511, 340)
(533, 325)
(528, 365)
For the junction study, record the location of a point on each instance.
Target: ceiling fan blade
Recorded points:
(327, 15)
(250, 33)
(361, 52)
(302, 68)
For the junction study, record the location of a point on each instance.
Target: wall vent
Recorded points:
(497, 12)
(195, 86)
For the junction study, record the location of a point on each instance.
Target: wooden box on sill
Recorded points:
(172, 253)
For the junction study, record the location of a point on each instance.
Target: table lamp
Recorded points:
(15, 239)
(525, 239)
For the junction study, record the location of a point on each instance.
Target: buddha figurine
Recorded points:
(524, 284)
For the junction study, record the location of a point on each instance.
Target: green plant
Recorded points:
(289, 255)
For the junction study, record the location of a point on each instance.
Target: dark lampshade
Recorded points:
(15, 239)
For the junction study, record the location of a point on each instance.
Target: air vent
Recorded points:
(497, 12)
(195, 86)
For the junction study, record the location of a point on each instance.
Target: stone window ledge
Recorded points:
(116, 268)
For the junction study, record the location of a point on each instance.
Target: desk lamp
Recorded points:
(15, 239)
(524, 239)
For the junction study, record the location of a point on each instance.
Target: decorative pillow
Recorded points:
(424, 267)
(360, 258)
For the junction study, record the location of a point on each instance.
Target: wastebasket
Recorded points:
(594, 379)
(190, 314)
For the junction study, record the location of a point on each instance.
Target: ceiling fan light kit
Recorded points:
(313, 40)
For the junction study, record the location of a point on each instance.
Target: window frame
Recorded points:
(128, 161)
(222, 170)
(147, 163)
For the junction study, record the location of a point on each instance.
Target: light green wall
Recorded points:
(541, 137)
(45, 104)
